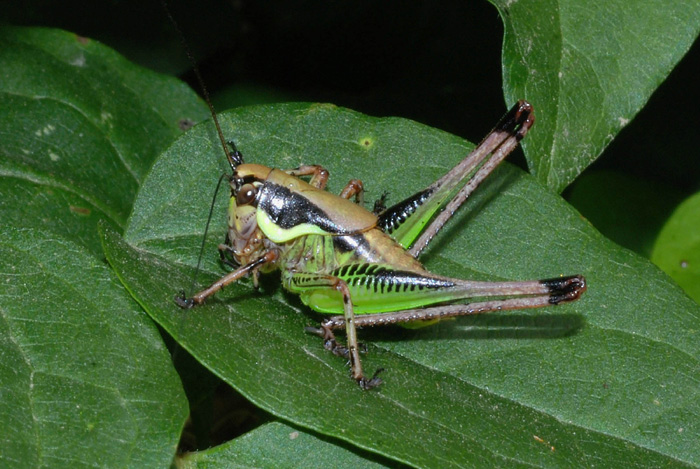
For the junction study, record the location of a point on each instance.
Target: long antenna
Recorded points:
(235, 159)
(206, 231)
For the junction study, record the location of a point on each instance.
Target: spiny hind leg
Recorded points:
(500, 142)
(536, 294)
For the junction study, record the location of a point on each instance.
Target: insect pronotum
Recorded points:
(359, 266)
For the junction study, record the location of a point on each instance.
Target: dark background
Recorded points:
(438, 64)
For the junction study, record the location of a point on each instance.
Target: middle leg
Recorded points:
(354, 188)
(351, 351)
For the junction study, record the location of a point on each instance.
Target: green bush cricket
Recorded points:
(360, 266)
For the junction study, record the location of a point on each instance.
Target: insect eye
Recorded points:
(246, 194)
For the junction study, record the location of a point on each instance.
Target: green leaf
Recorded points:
(608, 378)
(588, 68)
(85, 377)
(276, 445)
(80, 129)
(91, 131)
(626, 209)
(677, 249)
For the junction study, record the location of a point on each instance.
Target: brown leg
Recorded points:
(354, 188)
(489, 154)
(561, 290)
(199, 298)
(351, 350)
(319, 174)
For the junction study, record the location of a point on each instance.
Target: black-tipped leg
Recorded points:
(517, 120)
(563, 289)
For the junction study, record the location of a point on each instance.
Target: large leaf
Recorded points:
(628, 210)
(608, 378)
(85, 376)
(677, 249)
(273, 445)
(77, 117)
(80, 129)
(588, 67)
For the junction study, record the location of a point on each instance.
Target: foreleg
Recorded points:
(199, 298)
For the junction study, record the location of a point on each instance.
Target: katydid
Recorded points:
(360, 266)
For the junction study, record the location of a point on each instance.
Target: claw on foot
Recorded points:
(182, 301)
(332, 345)
(373, 382)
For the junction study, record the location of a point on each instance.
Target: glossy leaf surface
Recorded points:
(606, 377)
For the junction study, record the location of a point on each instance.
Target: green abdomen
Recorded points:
(380, 275)
(380, 288)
